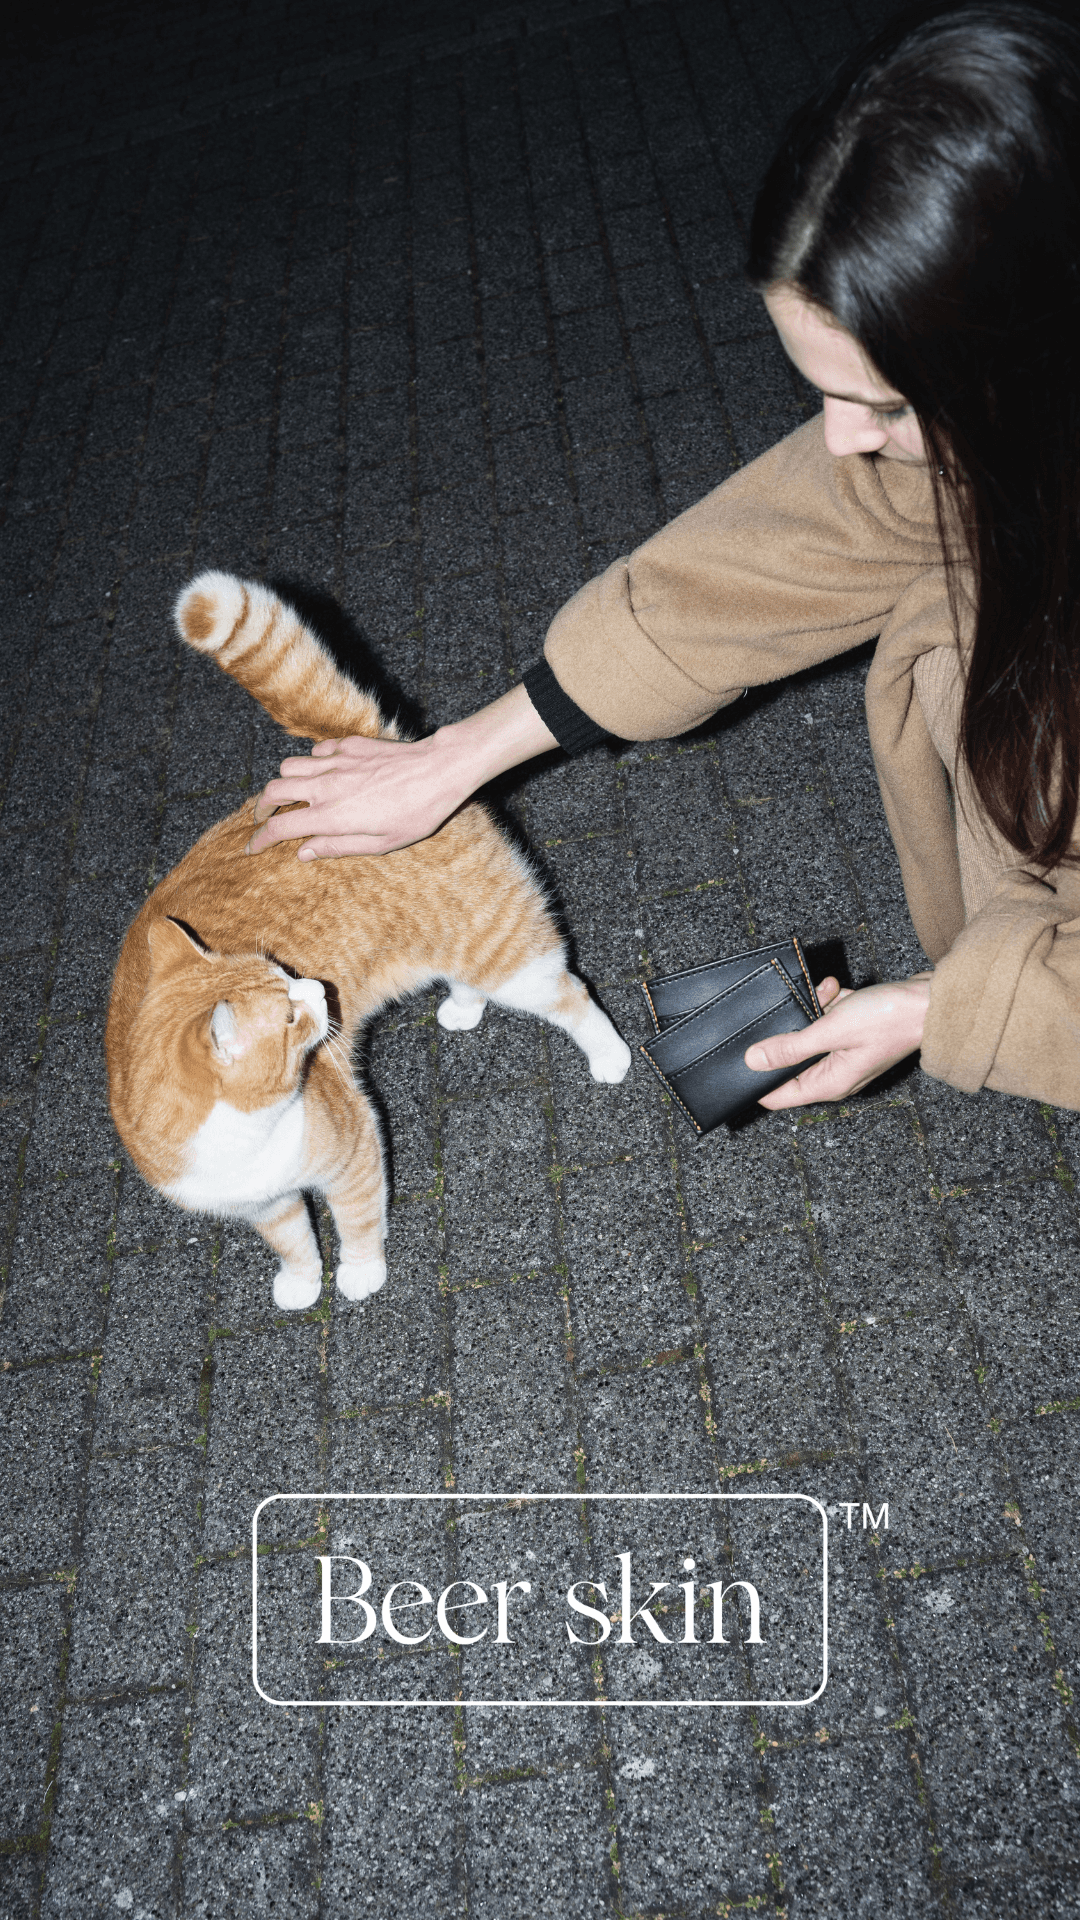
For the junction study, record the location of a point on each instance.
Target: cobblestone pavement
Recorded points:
(436, 310)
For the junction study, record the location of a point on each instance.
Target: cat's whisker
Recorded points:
(339, 1059)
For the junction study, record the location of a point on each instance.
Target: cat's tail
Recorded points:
(265, 645)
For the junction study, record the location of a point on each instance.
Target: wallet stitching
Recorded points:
(719, 1048)
(665, 1082)
(695, 1013)
(684, 973)
(813, 1012)
(793, 990)
(811, 989)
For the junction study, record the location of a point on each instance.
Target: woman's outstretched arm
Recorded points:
(371, 796)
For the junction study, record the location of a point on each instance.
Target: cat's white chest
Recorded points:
(239, 1161)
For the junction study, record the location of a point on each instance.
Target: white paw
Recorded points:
(293, 1291)
(610, 1059)
(456, 1018)
(357, 1278)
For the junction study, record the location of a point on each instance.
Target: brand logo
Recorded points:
(540, 1599)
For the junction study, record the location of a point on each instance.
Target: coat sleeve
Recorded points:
(797, 557)
(1005, 1000)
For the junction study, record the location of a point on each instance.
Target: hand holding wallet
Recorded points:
(705, 1018)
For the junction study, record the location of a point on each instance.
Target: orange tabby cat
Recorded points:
(223, 1080)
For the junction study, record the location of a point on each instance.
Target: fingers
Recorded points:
(294, 825)
(783, 1049)
(828, 990)
(335, 846)
(817, 1083)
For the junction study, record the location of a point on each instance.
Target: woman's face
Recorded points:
(862, 413)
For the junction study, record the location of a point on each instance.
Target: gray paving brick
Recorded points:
(55, 1296)
(950, 1492)
(133, 1604)
(776, 1386)
(595, 883)
(389, 1816)
(705, 921)
(551, 1833)
(387, 1452)
(740, 1175)
(117, 1814)
(1029, 1895)
(505, 1051)
(542, 1544)
(975, 1641)
(628, 1301)
(393, 1348)
(247, 1759)
(1041, 1453)
(32, 1643)
(152, 1356)
(43, 1424)
(678, 820)
(869, 1167)
(499, 1198)
(595, 1122)
(263, 1435)
(23, 983)
(20, 1880)
(268, 1870)
(865, 1694)
(646, 1431)
(685, 1803)
(99, 911)
(1023, 1306)
(31, 865)
(849, 1829)
(510, 1340)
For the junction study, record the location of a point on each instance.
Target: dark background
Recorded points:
(435, 310)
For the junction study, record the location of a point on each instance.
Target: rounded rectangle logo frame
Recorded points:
(503, 1500)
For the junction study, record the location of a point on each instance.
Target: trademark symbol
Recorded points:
(877, 1522)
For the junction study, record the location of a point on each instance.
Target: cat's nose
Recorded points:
(312, 991)
(313, 995)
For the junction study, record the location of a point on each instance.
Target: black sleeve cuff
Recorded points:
(573, 729)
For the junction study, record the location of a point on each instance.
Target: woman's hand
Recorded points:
(863, 1034)
(372, 796)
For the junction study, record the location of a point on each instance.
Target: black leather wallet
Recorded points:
(705, 1018)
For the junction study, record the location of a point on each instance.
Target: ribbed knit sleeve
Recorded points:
(573, 729)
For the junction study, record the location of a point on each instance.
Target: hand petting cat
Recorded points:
(374, 796)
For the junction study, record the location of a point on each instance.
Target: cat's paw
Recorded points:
(456, 1018)
(294, 1292)
(610, 1059)
(357, 1278)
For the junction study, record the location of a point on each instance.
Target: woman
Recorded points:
(917, 244)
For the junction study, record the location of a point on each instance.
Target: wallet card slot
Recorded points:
(673, 997)
(680, 1047)
(719, 1088)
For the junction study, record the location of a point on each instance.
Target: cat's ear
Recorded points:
(224, 1033)
(172, 944)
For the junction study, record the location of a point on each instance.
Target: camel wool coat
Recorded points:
(794, 559)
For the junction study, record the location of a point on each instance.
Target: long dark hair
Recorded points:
(929, 200)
